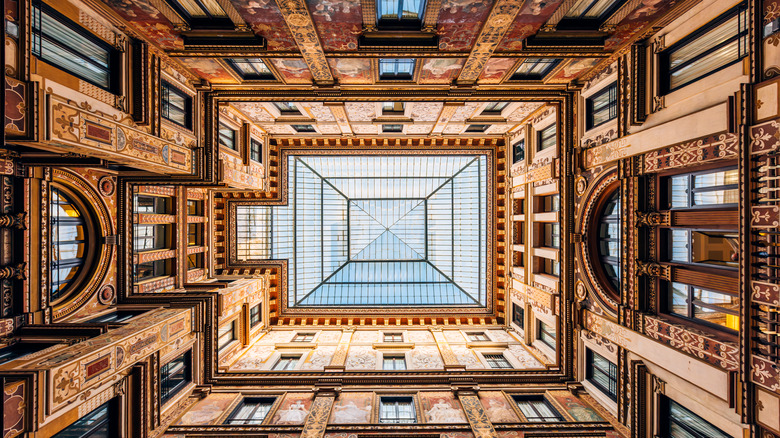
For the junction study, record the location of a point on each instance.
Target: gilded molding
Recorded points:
(301, 26)
(478, 419)
(317, 420)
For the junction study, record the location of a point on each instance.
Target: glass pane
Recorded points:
(679, 299)
(715, 248)
(678, 240)
(714, 179)
(679, 191)
(710, 39)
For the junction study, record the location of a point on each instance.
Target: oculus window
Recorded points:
(717, 45)
(68, 46)
(69, 242)
(376, 231)
(609, 240)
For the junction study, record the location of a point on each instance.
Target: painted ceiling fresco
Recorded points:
(331, 30)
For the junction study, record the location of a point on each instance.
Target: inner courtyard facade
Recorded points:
(390, 218)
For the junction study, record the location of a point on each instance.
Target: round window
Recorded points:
(70, 246)
(608, 239)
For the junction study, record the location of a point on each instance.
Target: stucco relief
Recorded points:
(329, 337)
(524, 357)
(425, 111)
(523, 111)
(419, 336)
(500, 336)
(254, 111)
(273, 337)
(425, 358)
(365, 129)
(454, 128)
(365, 336)
(319, 358)
(320, 112)
(466, 357)
(419, 129)
(465, 111)
(328, 129)
(360, 112)
(453, 336)
(254, 358)
(293, 409)
(361, 358)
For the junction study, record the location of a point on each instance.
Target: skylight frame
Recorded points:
(282, 268)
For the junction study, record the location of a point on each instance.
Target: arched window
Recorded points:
(69, 241)
(608, 239)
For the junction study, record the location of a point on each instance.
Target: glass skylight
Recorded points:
(376, 231)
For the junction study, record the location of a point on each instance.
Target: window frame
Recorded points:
(665, 72)
(588, 23)
(515, 150)
(394, 359)
(666, 420)
(114, 55)
(167, 393)
(551, 65)
(396, 399)
(497, 361)
(304, 337)
(109, 422)
(477, 337)
(611, 374)
(400, 23)
(287, 359)
(518, 315)
(255, 150)
(223, 342)
(542, 334)
(221, 137)
(257, 76)
(304, 128)
(543, 134)
(391, 337)
(208, 22)
(610, 106)
(232, 420)
(609, 283)
(395, 76)
(166, 88)
(89, 252)
(667, 294)
(254, 322)
(539, 418)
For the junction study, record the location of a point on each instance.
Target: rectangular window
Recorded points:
(286, 363)
(393, 363)
(535, 68)
(21, 349)
(601, 107)
(393, 337)
(202, 14)
(392, 128)
(477, 128)
(393, 108)
(194, 207)
(495, 107)
(175, 105)
(303, 337)
(518, 151)
(518, 315)
(255, 150)
(478, 337)
(227, 137)
(194, 261)
(226, 335)
(174, 376)
(397, 410)
(549, 203)
(601, 373)
(588, 14)
(677, 421)
(547, 335)
(118, 316)
(152, 204)
(712, 308)
(255, 315)
(391, 12)
(547, 138)
(150, 237)
(287, 108)
(549, 267)
(497, 361)
(68, 46)
(148, 270)
(717, 45)
(251, 68)
(397, 69)
(717, 248)
(551, 235)
(537, 410)
(251, 410)
(194, 234)
(98, 423)
(709, 188)
(303, 128)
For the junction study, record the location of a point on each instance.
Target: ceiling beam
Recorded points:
(340, 114)
(299, 21)
(369, 15)
(501, 18)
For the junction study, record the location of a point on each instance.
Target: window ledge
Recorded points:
(487, 344)
(295, 346)
(392, 345)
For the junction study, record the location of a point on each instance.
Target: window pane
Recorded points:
(679, 299)
(678, 240)
(684, 423)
